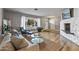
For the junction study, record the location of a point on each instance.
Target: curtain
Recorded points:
(23, 18)
(38, 22)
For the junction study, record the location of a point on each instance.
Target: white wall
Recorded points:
(1, 13)
(44, 22)
(52, 23)
(76, 12)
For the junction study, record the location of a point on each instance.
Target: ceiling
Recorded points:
(39, 12)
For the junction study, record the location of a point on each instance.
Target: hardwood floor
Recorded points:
(50, 36)
(56, 43)
(52, 41)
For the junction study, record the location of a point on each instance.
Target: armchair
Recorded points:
(23, 31)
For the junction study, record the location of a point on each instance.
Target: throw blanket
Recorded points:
(6, 39)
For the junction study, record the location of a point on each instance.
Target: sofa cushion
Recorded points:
(1, 38)
(7, 37)
(7, 47)
(19, 43)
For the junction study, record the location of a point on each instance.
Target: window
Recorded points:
(29, 21)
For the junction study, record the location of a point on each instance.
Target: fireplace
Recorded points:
(67, 27)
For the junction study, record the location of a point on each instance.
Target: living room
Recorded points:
(36, 24)
(38, 29)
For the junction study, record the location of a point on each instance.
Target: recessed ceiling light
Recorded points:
(36, 9)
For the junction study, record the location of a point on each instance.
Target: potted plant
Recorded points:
(30, 22)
